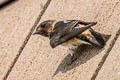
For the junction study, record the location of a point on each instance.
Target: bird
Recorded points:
(70, 33)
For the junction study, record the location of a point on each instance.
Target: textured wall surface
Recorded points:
(16, 21)
(38, 61)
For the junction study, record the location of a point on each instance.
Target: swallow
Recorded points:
(70, 33)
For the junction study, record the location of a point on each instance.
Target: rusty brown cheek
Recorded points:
(49, 31)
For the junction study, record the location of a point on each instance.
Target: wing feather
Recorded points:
(66, 32)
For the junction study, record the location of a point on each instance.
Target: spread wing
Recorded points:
(66, 30)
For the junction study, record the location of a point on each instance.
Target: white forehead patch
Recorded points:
(66, 21)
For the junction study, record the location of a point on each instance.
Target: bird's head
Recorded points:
(45, 28)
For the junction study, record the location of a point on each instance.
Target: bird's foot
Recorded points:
(73, 56)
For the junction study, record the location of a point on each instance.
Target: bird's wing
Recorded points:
(99, 38)
(65, 30)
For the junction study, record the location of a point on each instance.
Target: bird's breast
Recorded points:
(73, 42)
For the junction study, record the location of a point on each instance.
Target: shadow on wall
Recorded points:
(84, 53)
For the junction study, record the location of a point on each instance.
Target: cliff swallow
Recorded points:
(70, 33)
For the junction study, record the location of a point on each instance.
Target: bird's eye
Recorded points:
(43, 25)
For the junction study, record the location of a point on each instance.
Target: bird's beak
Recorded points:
(36, 32)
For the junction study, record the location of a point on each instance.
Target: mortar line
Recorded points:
(27, 39)
(111, 45)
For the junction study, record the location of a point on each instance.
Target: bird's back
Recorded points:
(77, 41)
